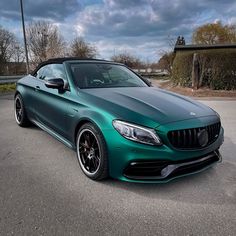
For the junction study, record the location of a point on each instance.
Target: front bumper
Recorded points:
(122, 152)
(166, 170)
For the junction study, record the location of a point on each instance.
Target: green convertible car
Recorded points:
(119, 125)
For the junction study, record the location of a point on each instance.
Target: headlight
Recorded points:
(137, 133)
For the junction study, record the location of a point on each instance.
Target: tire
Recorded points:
(92, 152)
(20, 112)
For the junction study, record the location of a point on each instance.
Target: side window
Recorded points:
(40, 73)
(51, 71)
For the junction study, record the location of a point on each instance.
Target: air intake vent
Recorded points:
(194, 138)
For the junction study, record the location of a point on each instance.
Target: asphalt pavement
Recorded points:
(44, 192)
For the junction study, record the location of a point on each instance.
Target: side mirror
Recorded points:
(55, 83)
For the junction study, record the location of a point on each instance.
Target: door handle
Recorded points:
(37, 88)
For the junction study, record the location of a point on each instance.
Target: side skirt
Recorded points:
(54, 134)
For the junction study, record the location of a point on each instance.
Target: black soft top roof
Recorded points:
(60, 60)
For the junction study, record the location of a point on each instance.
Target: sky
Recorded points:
(144, 28)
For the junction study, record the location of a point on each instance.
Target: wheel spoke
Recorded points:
(83, 151)
(18, 110)
(86, 163)
(96, 162)
(89, 165)
(93, 141)
(89, 152)
(82, 159)
(19, 117)
(97, 158)
(87, 140)
(83, 145)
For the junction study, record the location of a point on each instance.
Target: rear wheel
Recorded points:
(20, 113)
(92, 152)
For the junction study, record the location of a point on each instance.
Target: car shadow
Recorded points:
(34, 127)
(216, 185)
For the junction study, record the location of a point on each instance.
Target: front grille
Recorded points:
(189, 138)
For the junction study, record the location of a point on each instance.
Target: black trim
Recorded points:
(60, 60)
(163, 170)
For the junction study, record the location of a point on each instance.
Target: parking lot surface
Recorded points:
(44, 192)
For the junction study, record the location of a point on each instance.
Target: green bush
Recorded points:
(7, 88)
(217, 68)
(182, 67)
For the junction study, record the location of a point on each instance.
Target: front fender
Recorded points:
(102, 120)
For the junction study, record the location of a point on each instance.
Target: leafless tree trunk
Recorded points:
(195, 72)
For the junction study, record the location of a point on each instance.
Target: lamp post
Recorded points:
(25, 43)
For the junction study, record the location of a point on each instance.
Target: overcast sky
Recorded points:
(140, 27)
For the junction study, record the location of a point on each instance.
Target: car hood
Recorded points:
(137, 103)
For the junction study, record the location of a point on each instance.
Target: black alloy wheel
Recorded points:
(91, 152)
(20, 113)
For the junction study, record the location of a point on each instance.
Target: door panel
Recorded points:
(50, 105)
(27, 90)
(51, 108)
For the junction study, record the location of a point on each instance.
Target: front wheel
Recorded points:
(92, 152)
(20, 113)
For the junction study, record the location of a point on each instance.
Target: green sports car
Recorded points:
(119, 125)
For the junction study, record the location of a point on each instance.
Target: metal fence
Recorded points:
(10, 79)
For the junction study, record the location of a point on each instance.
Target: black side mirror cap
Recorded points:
(55, 83)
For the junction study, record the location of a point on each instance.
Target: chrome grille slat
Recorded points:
(184, 138)
(188, 138)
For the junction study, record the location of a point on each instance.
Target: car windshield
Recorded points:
(104, 75)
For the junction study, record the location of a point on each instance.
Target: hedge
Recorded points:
(217, 68)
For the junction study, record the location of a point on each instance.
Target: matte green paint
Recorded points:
(61, 113)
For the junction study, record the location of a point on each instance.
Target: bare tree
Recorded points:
(18, 54)
(7, 41)
(128, 59)
(167, 56)
(17, 65)
(44, 41)
(82, 49)
(166, 61)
